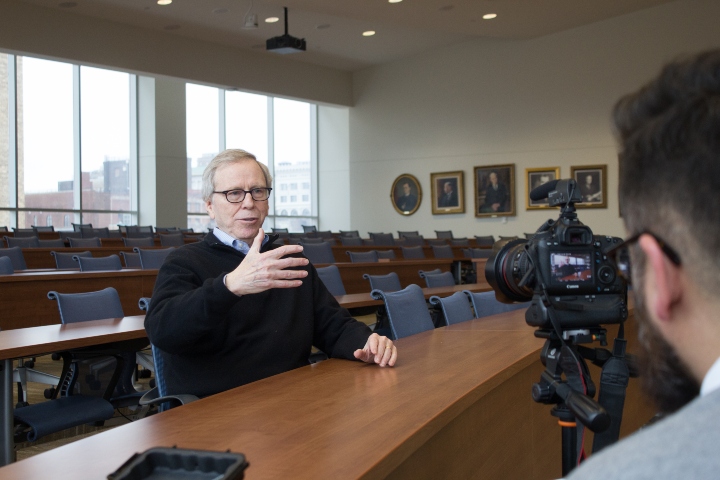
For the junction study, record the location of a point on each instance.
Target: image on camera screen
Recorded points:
(570, 267)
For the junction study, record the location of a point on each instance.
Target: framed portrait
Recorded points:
(406, 194)
(534, 177)
(592, 183)
(495, 191)
(448, 192)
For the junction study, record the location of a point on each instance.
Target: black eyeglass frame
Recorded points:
(245, 192)
(624, 267)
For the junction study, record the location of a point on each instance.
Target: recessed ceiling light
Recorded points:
(369, 33)
(489, 16)
(164, 2)
(271, 19)
(394, 1)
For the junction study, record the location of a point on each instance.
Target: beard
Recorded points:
(663, 375)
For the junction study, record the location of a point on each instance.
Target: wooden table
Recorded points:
(24, 301)
(457, 405)
(28, 342)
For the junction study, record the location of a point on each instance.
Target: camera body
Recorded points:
(563, 270)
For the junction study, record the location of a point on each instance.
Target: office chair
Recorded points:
(455, 309)
(172, 240)
(481, 252)
(6, 266)
(309, 228)
(382, 239)
(84, 242)
(67, 259)
(94, 264)
(318, 252)
(413, 240)
(136, 231)
(326, 234)
(351, 241)
(412, 234)
(413, 253)
(65, 235)
(484, 241)
(16, 256)
(311, 240)
(349, 233)
(131, 260)
(89, 232)
(153, 259)
(386, 254)
(444, 279)
(434, 271)
(165, 230)
(279, 230)
(443, 234)
(407, 311)
(360, 257)
(78, 226)
(49, 228)
(51, 243)
(485, 304)
(139, 241)
(332, 280)
(24, 232)
(459, 242)
(158, 394)
(387, 283)
(442, 251)
(22, 242)
(436, 241)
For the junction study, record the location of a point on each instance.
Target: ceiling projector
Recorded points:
(285, 43)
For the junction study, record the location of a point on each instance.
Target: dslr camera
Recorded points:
(562, 270)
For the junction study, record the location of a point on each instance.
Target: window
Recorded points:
(283, 199)
(57, 154)
(293, 198)
(306, 185)
(306, 198)
(293, 186)
(283, 186)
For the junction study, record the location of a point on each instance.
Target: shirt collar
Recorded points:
(711, 382)
(238, 245)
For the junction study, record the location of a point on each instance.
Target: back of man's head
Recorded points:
(669, 133)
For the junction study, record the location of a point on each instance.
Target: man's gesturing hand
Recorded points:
(263, 271)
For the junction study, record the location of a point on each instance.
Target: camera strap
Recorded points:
(613, 384)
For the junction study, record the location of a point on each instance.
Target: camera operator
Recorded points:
(669, 133)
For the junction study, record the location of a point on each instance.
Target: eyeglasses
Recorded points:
(237, 196)
(620, 254)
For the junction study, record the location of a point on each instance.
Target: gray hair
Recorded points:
(231, 155)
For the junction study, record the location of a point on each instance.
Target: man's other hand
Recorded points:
(378, 350)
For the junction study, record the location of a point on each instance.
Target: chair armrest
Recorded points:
(152, 397)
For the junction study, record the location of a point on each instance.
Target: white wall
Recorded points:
(333, 168)
(539, 103)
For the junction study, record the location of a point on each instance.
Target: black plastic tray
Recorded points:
(176, 463)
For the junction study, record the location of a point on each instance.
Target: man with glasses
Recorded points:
(669, 134)
(236, 308)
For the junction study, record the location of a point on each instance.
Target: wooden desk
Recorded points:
(407, 270)
(28, 342)
(24, 301)
(457, 405)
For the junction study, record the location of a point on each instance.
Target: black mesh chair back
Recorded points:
(455, 309)
(434, 271)
(326, 234)
(442, 251)
(3, 229)
(85, 242)
(349, 233)
(436, 241)
(484, 241)
(407, 311)
(332, 280)
(24, 232)
(16, 256)
(443, 234)
(6, 266)
(386, 254)
(279, 230)
(351, 241)
(49, 228)
(361, 257)
(153, 259)
(94, 264)
(135, 231)
(382, 239)
(67, 259)
(411, 240)
(131, 260)
(387, 283)
(412, 252)
(172, 240)
(139, 241)
(73, 234)
(485, 304)
(411, 234)
(160, 230)
(444, 279)
(309, 228)
(89, 232)
(22, 242)
(318, 252)
(51, 243)
(79, 226)
(460, 242)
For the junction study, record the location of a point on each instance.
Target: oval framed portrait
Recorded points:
(406, 194)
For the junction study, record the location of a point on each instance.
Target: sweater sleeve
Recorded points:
(337, 333)
(188, 312)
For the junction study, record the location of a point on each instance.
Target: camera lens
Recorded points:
(505, 269)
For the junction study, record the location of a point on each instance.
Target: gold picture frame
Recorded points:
(448, 192)
(534, 177)
(495, 191)
(406, 194)
(592, 184)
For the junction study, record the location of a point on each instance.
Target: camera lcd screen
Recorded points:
(571, 267)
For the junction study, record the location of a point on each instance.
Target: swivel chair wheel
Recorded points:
(49, 393)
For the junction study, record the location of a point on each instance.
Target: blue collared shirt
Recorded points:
(238, 245)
